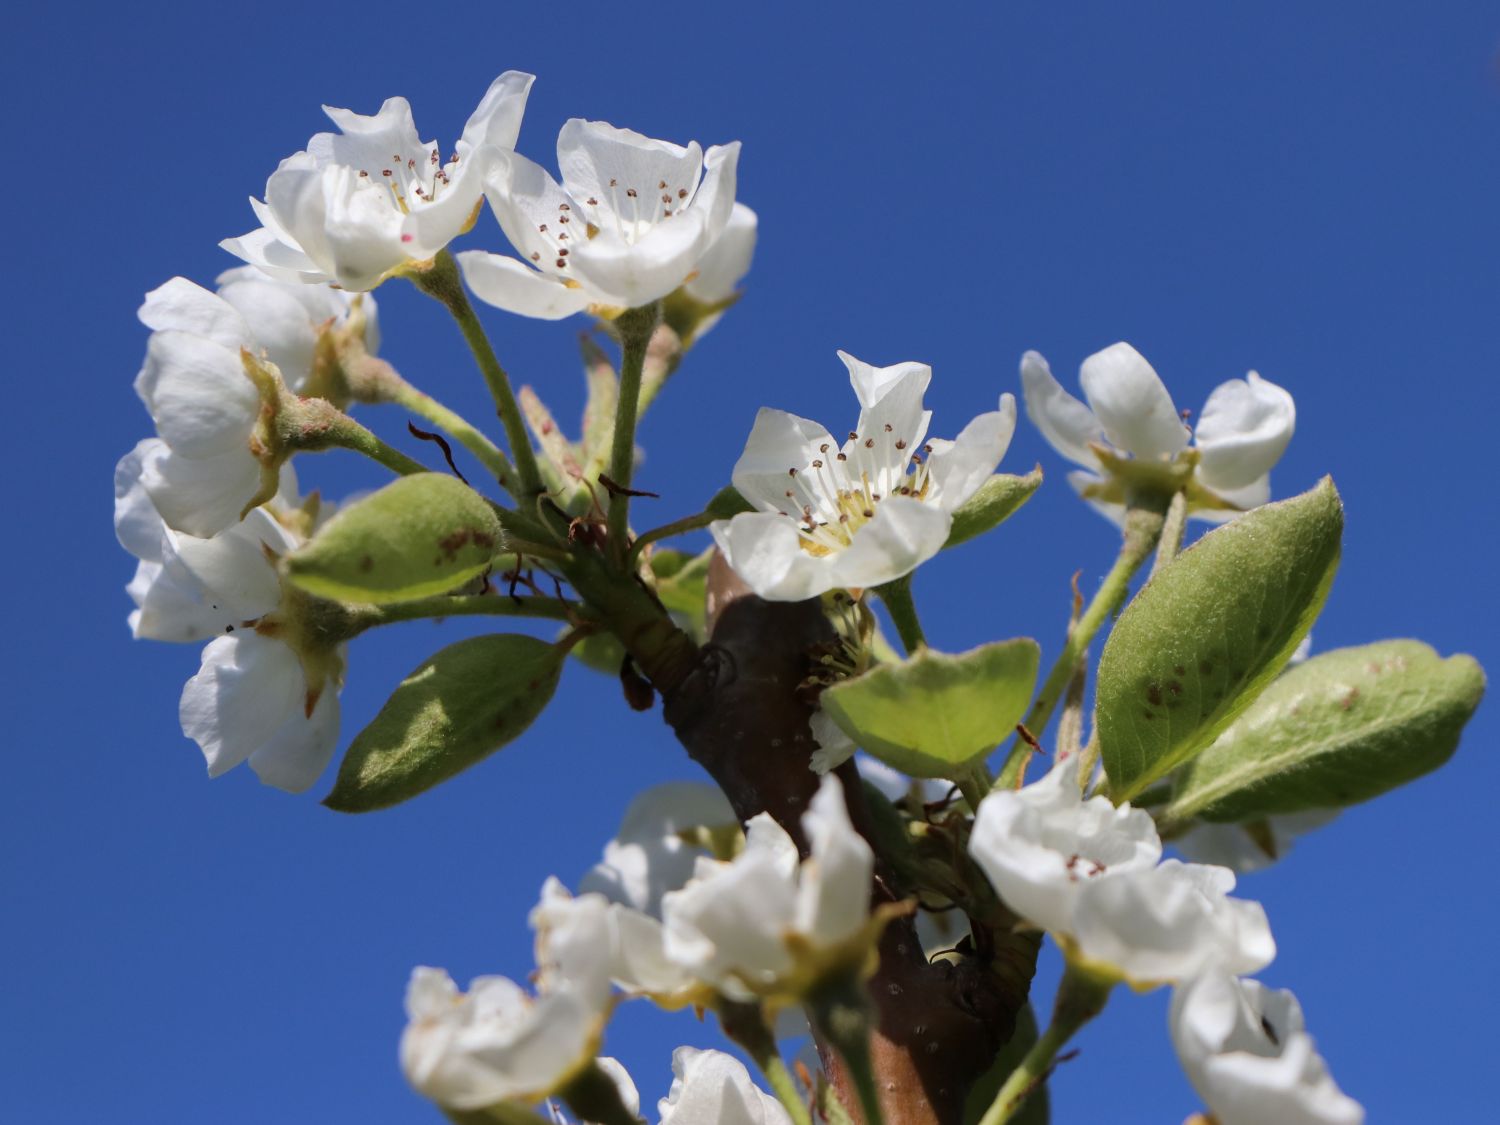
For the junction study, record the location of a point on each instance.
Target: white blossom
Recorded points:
(1087, 872)
(495, 1042)
(712, 1088)
(1246, 1051)
(589, 943)
(861, 512)
(1042, 845)
(739, 926)
(358, 205)
(1240, 434)
(727, 261)
(632, 220)
(206, 407)
(648, 856)
(254, 697)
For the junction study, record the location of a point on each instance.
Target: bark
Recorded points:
(740, 715)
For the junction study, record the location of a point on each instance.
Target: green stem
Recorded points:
(898, 601)
(1143, 526)
(443, 282)
(351, 435)
(746, 1025)
(666, 531)
(461, 430)
(1079, 999)
(635, 327)
(1171, 532)
(468, 605)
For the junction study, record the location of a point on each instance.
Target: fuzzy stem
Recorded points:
(635, 327)
(443, 282)
(1079, 999)
(1143, 526)
(896, 595)
(1171, 532)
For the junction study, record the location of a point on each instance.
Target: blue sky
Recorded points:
(1308, 190)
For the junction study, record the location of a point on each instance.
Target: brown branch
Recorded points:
(739, 714)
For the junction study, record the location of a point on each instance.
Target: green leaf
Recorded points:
(933, 714)
(727, 503)
(461, 705)
(1338, 729)
(420, 535)
(997, 500)
(1209, 631)
(602, 652)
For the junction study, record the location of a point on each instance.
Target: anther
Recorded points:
(535, 257)
(791, 472)
(542, 228)
(563, 207)
(823, 448)
(682, 193)
(661, 185)
(592, 202)
(900, 443)
(869, 443)
(385, 172)
(843, 456)
(630, 191)
(363, 174)
(561, 262)
(888, 427)
(817, 464)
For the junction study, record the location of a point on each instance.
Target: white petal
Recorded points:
(297, 754)
(179, 305)
(600, 161)
(1243, 431)
(1040, 845)
(647, 858)
(362, 227)
(198, 394)
(169, 609)
(516, 287)
(138, 527)
(246, 687)
(1067, 424)
(370, 143)
(1132, 404)
(711, 1086)
(833, 898)
(834, 746)
(497, 119)
(204, 495)
(529, 206)
(279, 323)
(778, 443)
(633, 274)
(957, 468)
(296, 210)
(765, 551)
(630, 1097)
(273, 257)
(1247, 1053)
(232, 566)
(727, 260)
(1170, 923)
(904, 534)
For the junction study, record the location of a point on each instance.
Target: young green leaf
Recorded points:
(1209, 631)
(997, 500)
(1338, 729)
(420, 535)
(933, 714)
(461, 705)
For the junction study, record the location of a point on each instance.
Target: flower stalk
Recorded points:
(1080, 997)
(442, 281)
(1143, 528)
(635, 327)
(898, 601)
(746, 1025)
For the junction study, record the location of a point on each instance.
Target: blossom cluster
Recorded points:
(687, 908)
(658, 917)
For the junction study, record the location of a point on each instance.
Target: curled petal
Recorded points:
(515, 287)
(245, 689)
(778, 443)
(904, 534)
(1132, 404)
(957, 468)
(1243, 431)
(727, 260)
(1067, 424)
(298, 753)
(763, 548)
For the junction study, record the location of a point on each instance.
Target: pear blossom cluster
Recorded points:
(1091, 874)
(687, 907)
(743, 929)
